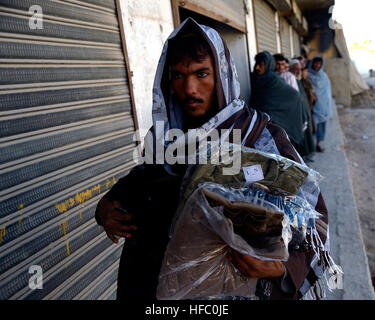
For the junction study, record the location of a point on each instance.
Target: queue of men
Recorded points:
(297, 96)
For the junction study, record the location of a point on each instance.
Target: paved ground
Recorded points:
(347, 246)
(359, 136)
(365, 99)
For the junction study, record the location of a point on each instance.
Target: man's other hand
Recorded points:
(115, 223)
(255, 268)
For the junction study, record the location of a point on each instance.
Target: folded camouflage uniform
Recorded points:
(278, 174)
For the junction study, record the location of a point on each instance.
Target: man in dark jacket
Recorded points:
(195, 86)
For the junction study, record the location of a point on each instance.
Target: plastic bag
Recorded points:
(278, 173)
(301, 215)
(292, 187)
(195, 264)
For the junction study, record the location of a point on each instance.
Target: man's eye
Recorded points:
(176, 76)
(202, 74)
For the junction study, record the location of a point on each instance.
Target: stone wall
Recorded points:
(339, 73)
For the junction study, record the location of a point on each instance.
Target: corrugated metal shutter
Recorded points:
(297, 43)
(66, 137)
(285, 38)
(265, 26)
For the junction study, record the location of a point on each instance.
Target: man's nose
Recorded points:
(191, 86)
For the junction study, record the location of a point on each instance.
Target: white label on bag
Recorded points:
(253, 173)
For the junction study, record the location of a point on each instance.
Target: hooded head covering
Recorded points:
(322, 110)
(271, 94)
(232, 112)
(269, 61)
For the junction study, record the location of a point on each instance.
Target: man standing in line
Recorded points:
(281, 68)
(271, 94)
(195, 85)
(310, 94)
(323, 107)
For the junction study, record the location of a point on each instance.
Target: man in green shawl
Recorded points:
(272, 95)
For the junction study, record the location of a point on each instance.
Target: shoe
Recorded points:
(320, 149)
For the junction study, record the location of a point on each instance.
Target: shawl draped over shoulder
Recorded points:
(322, 110)
(272, 95)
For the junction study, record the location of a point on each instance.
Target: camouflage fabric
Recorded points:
(278, 174)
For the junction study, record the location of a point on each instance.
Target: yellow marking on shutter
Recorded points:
(2, 234)
(67, 248)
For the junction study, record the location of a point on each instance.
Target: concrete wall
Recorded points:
(147, 24)
(339, 73)
(251, 34)
(331, 52)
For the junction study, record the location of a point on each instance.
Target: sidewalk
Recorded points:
(365, 99)
(347, 247)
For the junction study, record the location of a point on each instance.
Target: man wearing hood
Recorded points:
(195, 86)
(271, 94)
(322, 110)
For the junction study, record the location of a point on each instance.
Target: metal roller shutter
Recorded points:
(297, 43)
(265, 25)
(285, 38)
(66, 137)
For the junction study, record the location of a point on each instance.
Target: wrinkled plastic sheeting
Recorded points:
(195, 264)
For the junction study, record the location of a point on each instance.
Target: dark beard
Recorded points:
(191, 122)
(197, 122)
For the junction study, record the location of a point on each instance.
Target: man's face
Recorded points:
(260, 68)
(296, 70)
(194, 84)
(317, 65)
(305, 74)
(280, 66)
